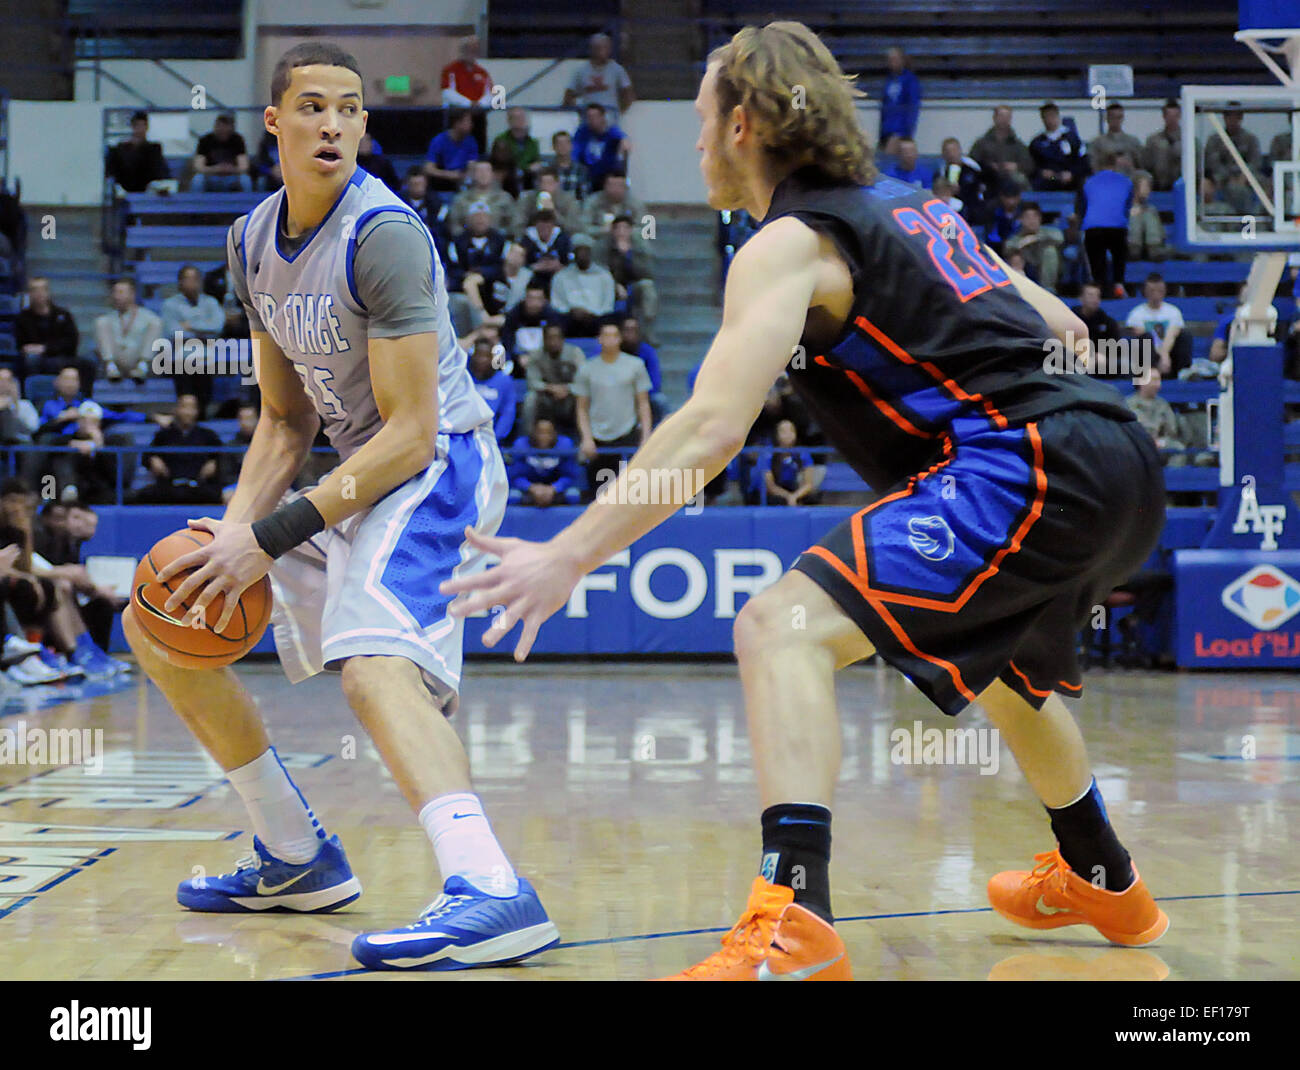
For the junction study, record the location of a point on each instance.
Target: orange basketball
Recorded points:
(201, 646)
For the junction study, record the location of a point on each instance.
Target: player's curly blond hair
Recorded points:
(799, 98)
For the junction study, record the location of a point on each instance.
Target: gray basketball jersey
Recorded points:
(307, 301)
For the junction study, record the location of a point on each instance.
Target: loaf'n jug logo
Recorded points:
(1265, 597)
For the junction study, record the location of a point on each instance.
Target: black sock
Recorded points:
(797, 853)
(1088, 843)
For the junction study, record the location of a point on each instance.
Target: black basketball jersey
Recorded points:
(938, 341)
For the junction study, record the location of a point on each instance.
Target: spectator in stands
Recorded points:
(126, 335)
(221, 162)
(1103, 207)
(600, 146)
(1124, 148)
(507, 175)
(947, 192)
(451, 153)
(230, 464)
(1057, 152)
(1160, 321)
(600, 82)
(600, 209)
(551, 371)
(999, 152)
(1146, 233)
(613, 392)
(900, 103)
(792, 477)
(522, 325)
(510, 290)
(572, 173)
(547, 248)
(87, 474)
(190, 313)
(415, 192)
(1212, 204)
(58, 541)
(524, 150)
(1005, 218)
(635, 345)
(1102, 327)
(909, 167)
(183, 477)
(465, 82)
(266, 163)
(548, 194)
(377, 164)
(1220, 165)
(1219, 344)
(494, 385)
(47, 336)
(1039, 245)
(482, 189)
(543, 480)
(1158, 417)
(967, 177)
(137, 161)
(584, 292)
(474, 262)
(1279, 150)
(18, 418)
(44, 601)
(1163, 153)
(629, 262)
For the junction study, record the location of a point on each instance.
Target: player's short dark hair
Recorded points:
(1030, 206)
(535, 284)
(1049, 106)
(137, 116)
(188, 267)
(1114, 105)
(559, 134)
(1155, 276)
(129, 280)
(308, 54)
(455, 115)
(413, 170)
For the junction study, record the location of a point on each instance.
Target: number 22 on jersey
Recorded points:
(940, 224)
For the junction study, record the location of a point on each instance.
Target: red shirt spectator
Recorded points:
(465, 82)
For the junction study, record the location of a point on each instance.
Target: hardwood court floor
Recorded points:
(625, 793)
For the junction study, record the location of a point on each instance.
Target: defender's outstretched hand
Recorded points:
(532, 581)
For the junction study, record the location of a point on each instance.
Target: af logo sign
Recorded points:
(1264, 520)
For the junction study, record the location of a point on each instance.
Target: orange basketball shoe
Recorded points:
(1052, 894)
(775, 940)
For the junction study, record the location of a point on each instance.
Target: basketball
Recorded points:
(201, 646)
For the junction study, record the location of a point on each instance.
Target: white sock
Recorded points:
(463, 841)
(281, 817)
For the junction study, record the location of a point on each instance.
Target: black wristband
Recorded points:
(287, 527)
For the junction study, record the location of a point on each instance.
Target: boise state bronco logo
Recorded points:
(1265, 597)
(931, 537)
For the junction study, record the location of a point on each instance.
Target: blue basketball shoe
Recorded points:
(463, 928)
(263, 883)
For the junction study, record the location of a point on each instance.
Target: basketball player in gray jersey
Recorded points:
(348, 312)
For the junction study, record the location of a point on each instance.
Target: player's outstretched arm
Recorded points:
(286, 428)
(770, 287)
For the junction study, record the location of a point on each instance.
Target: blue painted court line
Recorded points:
(858, 917)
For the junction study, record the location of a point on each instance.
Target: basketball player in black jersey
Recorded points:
(1012, 500)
